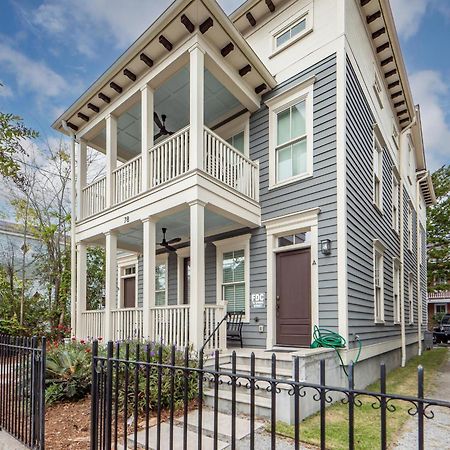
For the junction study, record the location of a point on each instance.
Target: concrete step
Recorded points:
(263, 371)
(262, 403)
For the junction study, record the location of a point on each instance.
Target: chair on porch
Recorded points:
(234, 326)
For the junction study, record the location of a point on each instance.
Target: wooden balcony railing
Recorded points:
(127, 180)
(93, 198)
(170, 325)
(92, 326)
(127, 324)
(223, 162)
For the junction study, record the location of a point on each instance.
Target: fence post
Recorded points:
(108, 396)
(322, 404)
(42, 393)
(420, 408)
(34, 378)
(383, 405)
(94, 396)
(351, 407)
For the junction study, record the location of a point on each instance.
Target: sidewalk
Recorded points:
(7, 442)
(437, 430)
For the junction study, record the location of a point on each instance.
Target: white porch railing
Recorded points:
(92, 326)
(93, 198)
(170, 158)
(127, 180)
(214, 313)
(127, 324)
(223, 162)
(170, 325)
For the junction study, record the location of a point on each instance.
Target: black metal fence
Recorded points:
(22, 389)
(137, 389)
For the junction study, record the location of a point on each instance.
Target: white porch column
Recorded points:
(147, 133)
(197, 288)
(81, 289)
(149, 269)
(111, 157)
(111, 282)
(196, 106)
(81, 175)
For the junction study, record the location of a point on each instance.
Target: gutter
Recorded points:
(73, 248)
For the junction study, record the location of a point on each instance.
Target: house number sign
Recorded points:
(258, 300)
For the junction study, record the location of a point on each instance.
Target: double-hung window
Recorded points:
(378, 281)
(161, 284)
(377, 173)
(233, 281)
(395, 203)
(237, 141)
(396, 293)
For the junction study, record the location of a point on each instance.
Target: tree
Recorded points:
(438, 230)
(12, 135)
(96, 277)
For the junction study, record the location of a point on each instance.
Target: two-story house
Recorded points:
(270, 162)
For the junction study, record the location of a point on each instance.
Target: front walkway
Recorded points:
(437, 430)
(7, 442)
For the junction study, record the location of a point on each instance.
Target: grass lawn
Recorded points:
(367, 420)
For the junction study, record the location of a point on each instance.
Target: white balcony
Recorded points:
(167, 161)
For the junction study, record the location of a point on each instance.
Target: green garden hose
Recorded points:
(329, 339)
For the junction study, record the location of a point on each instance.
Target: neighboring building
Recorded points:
(11, 253)
(282, 146)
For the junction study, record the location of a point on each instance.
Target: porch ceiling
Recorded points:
(171, 99)
(156, 45)
(177, 225)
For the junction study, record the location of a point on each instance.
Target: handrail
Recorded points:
(127, 162)
(171, 136)
(93, 183)
(170, 307)
(213, 332)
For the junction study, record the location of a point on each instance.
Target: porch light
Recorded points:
(325, 246)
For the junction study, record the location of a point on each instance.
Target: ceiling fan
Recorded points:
(161, 125)
(168, 244)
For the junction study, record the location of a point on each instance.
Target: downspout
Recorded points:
(73, 248)
(418, 257)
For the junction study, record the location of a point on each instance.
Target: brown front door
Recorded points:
(129, 292)
(293, 298)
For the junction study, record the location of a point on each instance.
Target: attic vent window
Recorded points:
(293, 31)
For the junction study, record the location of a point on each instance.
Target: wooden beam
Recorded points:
(393, 84)
(227, 49)
(396, 105)
(71, 125)
(83, 116)
(251, 19)
(364, 2)
(387, 61)
(390, 73)
(206, 25)
(396, 94)
(165, 43)
(92, 107)
(260, 88)
(378, 33)
(404, 121)
(383, 47)
(373, 17)
(270, 5)
(144, 58)
(104, 97)
(187, 23)
(403, 111)
(245, 70)
(116, 87)
(129, 74)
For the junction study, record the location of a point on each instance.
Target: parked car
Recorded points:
(441, 333)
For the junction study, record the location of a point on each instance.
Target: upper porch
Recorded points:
(176, 104)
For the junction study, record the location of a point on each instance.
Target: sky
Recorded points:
(52, 50)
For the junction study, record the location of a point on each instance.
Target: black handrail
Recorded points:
(212, 333)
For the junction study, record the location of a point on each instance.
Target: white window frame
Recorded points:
(306, 220)
(411, 298)
(229, 245)
(378, 309)
(410, 227)
(440, 304)
(301, 92)
(160, 260)
(238, 125)
(396, 284)
(123, 263)
(307, 14)
(377, 172)
(395, 202)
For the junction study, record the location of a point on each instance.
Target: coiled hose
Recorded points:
(330, 339)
